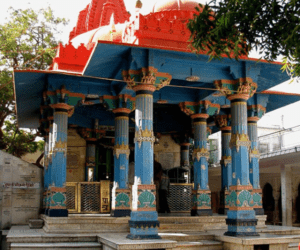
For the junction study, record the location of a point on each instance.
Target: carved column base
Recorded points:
(241, 219)
(121, 207)
(202, 203)
(57, 202)
(241, 227)
(257, 201)
(144, 219)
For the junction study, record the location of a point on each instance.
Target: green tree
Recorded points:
(27, 41)
(234, 27)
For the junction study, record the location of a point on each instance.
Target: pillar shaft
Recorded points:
(49, 170)
(202, 194)
(226, 169)
(226, 158)
(57, 206)
(46, 173)
(255, 112)
(239, 142)
(241, 219)
(144, 219)
(121, 193)
(286, 196)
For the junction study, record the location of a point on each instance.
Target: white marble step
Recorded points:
(199, 245)
(293, 246)
(190, 236)
(56, 246)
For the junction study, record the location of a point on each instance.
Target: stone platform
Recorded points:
(275, 237)
(106, 224)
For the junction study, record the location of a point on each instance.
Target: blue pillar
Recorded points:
(241, 219)
(120, 192)
(46, 172)
(202, 194)
(49, 158)
(121, 106)
(223, 122)
(255, 112)
(199, 112)
(57, 206)
(144, 218)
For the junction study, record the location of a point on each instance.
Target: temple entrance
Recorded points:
(268, 202)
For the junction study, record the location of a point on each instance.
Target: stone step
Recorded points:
(199, 245)
(189, 236)
(293, 246)
(56, 246)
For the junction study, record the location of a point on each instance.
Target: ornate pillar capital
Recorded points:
(223, 122)
(201, 109)
(241, 88)
(119, 104)
(91, 135)
(255, 112)
(63, 99)
(146, 76)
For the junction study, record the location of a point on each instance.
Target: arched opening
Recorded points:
(298, 205)
(268, 202)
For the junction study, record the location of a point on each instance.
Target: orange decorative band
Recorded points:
(50, 118)
(226, 128)
(238, 96)
(252, 119)
(241, 187)
(146, 87)
(201, 191)
(185, 144)
(259, 190)
(240, 208)
(204, 116)
(122, 110)
(61, 106)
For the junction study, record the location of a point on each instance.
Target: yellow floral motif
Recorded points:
(254, 153)
(238, 140)
(226, 160)
(121, 149)
(200, 152)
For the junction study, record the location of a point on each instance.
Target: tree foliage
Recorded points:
(234, 27)
(27, 41)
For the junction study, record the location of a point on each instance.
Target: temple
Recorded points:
(129, 88)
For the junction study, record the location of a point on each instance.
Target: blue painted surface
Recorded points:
(109, 60)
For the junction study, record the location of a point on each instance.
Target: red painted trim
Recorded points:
(205, 116)
(272, 92)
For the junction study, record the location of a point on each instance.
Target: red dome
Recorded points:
(164, 5)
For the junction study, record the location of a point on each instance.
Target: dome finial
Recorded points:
(138, 4)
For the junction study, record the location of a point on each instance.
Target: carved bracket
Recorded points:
(238, 140)
(200, 152)
(144, 135)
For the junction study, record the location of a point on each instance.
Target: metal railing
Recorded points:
(88, 197)
(280, 142)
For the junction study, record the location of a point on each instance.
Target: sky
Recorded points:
(70, 9)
